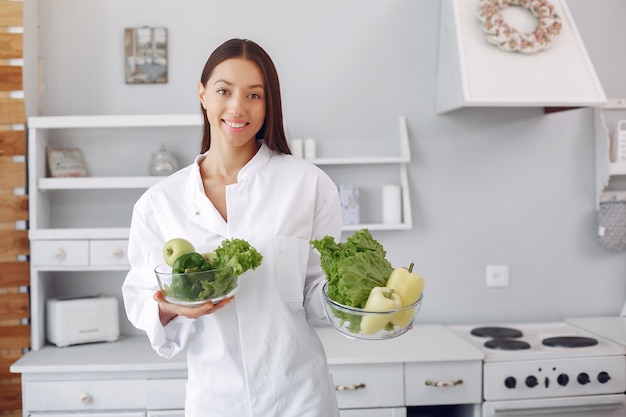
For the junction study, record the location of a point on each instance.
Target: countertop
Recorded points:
(612, 327)
(423, 343)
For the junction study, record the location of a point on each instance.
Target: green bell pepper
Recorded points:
(190, 262)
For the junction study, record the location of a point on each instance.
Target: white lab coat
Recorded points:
(258, 356)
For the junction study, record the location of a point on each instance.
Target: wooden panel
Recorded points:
(10, 397)
(15, 337)
(12, 207)
(12, 244)
(12, 142)
(11, 13)
(11, 45)
(14, 306)
(6, 361)
(10, 78)
(12, 111)
(13, 173)
(14, 274)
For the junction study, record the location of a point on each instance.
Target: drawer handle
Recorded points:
(118, 253)
(60, 255)
(85, 398)
(349, 387)
(444, 384)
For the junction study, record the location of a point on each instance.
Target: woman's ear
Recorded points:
(201, 90)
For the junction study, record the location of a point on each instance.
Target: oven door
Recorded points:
(591, 406)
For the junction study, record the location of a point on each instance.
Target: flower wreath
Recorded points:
(510, 39)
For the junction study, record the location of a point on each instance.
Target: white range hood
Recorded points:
(475, 73)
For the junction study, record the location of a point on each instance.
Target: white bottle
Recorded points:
(619, 142)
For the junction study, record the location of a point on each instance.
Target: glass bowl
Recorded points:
(196, 288)
(347, 319)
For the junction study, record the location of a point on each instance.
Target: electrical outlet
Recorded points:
(497, 276)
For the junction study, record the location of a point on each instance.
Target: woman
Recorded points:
(254, 354)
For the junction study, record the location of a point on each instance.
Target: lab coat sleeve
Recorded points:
(144, 253)
(328, 221)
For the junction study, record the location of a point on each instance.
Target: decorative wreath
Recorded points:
(510, 39)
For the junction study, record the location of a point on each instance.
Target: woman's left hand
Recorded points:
(167, 310)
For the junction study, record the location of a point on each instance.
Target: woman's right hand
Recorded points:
(167, 310)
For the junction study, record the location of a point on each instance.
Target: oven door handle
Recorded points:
(565, 409)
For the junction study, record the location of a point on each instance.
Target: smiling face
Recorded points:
(234, 100)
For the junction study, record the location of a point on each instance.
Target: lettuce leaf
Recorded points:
(353, 267)
(238, 254)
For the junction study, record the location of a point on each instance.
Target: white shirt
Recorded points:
(259, 355)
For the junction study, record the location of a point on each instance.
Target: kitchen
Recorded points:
(489, 186)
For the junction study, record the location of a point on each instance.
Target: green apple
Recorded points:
(173, 248)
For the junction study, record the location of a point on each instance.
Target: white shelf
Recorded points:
(114, 121)
(79, 233)
(97, 183)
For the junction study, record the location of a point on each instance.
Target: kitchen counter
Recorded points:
(423, 343)
(128, 374)
(611, 327)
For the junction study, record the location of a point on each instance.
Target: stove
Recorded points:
(546, 366)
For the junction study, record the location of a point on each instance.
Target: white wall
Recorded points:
(489, 186)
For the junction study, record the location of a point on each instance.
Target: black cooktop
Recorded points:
(506, 338)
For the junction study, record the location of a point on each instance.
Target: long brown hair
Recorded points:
(272, 131)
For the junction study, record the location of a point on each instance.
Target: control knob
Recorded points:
(562, 379)
(510, 382)
(531, 382)
(603, 377)
(583, 378)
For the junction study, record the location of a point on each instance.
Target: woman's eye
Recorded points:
(255, 96)
(222, 91)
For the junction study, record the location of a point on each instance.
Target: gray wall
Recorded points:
(489, 186)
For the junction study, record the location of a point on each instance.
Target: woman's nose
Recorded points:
(236, 103)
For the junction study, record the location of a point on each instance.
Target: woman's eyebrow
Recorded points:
(229, 84)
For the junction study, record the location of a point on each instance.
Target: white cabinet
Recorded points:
(475, 73)
(369, 385)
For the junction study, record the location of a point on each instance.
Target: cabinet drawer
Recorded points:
(85, 395)
(108, 252)
(372, 385)
(59, 252)
(420, 376)
(166, 394)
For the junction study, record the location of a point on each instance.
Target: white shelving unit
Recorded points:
(610, 173)
(79, 226)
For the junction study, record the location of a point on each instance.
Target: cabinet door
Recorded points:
(166, 394)
(85, 395)
(438, 383)
(371, 385)
(59, 253)
(108, 252)
(167, 413)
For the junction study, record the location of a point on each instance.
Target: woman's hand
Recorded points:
(167, 310)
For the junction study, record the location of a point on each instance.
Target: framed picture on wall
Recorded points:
(146, 55)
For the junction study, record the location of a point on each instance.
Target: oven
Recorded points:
(548, 369)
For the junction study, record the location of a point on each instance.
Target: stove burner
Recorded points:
(507, 344)
(498, 332)
(570, 341)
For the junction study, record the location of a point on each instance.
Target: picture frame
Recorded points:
(66, 162)
(146, 55)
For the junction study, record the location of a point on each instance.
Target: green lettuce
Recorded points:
(237, 254)
(353, 267)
